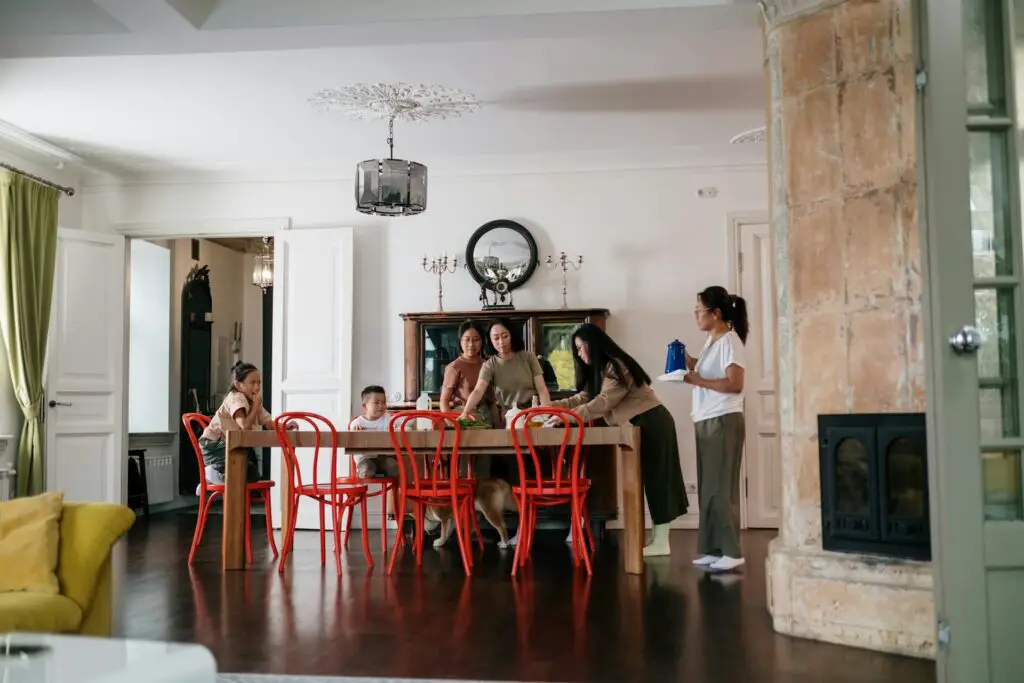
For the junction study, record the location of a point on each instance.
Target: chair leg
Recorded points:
(524, 515)
(346, 516)
(364, 519)
(419, 533)
(204, 508)
(462, 535)
(323, 533)
(337, 511)
(289, 536)
(400, 514)
(385, 491)
(270, 522)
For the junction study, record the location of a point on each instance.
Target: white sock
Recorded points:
(726, 563)
(705, 560)
(658, 546)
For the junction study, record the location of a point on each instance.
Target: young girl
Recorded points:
(245, 404)
(717, 376)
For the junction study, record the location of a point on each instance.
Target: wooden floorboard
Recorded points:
(673, 624)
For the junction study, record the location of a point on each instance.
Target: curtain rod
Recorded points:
(70, 192)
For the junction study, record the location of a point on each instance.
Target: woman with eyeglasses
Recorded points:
(717, 376)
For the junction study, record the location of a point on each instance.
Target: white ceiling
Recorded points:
(183, 84)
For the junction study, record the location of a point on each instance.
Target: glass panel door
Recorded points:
(971, 237)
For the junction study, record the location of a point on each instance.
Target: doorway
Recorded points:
(203, 313)
(753, 278)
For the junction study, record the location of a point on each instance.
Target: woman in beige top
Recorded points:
(463, 373)
(514, 373)
(613, 386)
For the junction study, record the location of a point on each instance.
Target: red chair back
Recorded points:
(433, 480)
(326, 437)
(566, 465)
(197, 422)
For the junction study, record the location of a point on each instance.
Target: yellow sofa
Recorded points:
(88, 532)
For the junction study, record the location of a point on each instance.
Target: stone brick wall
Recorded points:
(845, 229)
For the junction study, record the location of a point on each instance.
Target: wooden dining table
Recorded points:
(624, 441)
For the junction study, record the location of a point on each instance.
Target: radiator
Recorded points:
(160, 478)
(7, 484)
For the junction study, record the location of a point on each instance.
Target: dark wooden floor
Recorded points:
(673, 624)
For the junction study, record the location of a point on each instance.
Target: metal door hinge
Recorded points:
(741, 261)
(943, 636)
(920, 79)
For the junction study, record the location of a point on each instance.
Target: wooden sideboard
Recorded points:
(431, 342)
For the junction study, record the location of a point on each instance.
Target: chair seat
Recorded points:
(251, 486)
(549, 487)
(353, 480)
(324, 490)
(441, 491)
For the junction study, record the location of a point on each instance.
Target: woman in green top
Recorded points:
(514, 372)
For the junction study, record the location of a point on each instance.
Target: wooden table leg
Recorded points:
(632, 505)
(233, 541)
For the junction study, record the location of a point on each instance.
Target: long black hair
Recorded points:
(239, 371)
(602, 350)
(515, 335)
(732, 308)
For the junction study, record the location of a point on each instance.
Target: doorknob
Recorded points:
(54, 404)
(965, 340)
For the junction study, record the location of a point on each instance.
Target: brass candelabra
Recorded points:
(564, 263)
(439, 266)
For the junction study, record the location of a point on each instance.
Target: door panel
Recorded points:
(971, 242)
(312, 350)
(762, 464)
(85, 454)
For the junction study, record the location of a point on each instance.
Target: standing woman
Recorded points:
(613, 386)
(717, 376)
(463, 373)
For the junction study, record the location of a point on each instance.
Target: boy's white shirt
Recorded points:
(378, 425)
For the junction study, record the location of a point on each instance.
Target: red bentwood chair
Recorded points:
(338, 496)
(196, 423)
(385, 484)
(433, 486)
(566, 485)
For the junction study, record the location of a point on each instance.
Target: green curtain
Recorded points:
(28, 254)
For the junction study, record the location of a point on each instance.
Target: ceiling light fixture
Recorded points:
(263, 265)
(393, 187)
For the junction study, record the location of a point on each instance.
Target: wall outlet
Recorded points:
(691, 488)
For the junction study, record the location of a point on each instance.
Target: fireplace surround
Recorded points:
(874, 484)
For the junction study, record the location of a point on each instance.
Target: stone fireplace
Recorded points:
(850, 338)
(874, 484)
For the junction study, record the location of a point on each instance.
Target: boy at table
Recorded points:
(374, 418)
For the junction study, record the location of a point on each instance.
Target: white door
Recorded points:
(312, 354)
(86, 456)
(755, 282)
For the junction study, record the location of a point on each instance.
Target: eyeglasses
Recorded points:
(698, 311)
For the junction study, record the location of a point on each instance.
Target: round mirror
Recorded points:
(501, 255)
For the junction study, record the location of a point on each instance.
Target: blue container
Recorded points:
(676, 359)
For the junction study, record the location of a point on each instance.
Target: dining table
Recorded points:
(620, 441)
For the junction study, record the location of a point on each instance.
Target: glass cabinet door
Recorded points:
(440, 346)
(555, 355)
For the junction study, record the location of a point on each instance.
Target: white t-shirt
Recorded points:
(378, 425)
(711, 364)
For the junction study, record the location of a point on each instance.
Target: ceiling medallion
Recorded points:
(753, 136)
(393, 187)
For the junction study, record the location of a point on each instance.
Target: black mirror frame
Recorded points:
(494, 225)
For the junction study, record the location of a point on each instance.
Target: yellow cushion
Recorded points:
(88, 531)
(29, 543)
(38, 613)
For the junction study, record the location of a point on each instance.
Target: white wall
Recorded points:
(649, 244)
(149, 323)
(70, 216)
